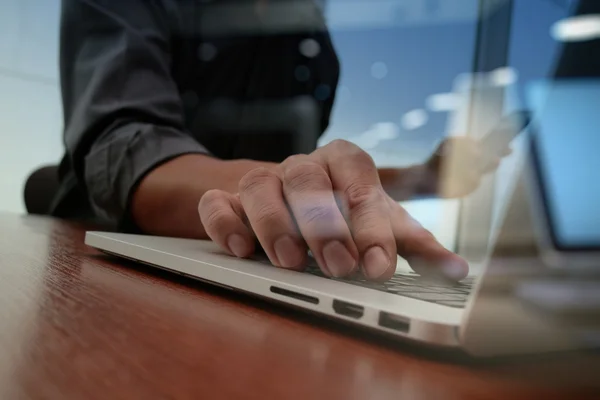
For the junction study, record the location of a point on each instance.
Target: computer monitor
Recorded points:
(564, 149)
(562, 185)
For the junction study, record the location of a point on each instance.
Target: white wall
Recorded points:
(30, 110)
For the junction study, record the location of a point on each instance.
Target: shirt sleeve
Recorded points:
(122, 109)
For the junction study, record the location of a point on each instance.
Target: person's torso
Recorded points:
(229, 52)
(239, 55)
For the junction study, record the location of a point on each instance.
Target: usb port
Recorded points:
(348, 309)
(395, 322)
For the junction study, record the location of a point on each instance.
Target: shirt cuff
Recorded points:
(114, 167)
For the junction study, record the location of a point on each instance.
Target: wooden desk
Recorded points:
(78, 325)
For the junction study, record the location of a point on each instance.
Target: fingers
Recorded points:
(422, 251)
(310, 196)
(262, 199)
(222, 216)
(353, 172)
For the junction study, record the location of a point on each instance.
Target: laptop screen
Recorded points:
(565, 144)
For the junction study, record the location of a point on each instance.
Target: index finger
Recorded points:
(421, 249)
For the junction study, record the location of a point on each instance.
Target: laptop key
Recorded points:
(414, 286)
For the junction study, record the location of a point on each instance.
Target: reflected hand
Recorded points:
(330, 202)
(457, 166)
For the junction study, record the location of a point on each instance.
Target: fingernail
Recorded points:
(376, 262)
(338, 259)
(238, 245)
(455, 270)
(289, 254)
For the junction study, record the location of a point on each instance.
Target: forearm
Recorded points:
(166, 200)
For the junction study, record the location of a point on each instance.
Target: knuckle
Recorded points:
(266, 213)
(316, 214)
(371, 219)
(302, 177)
(363, 160)
(293, 160)
(214, 218)
(344, 146)
(254, 180)
(360, 194)
(209, 200)
(371, 225)
(346, 149)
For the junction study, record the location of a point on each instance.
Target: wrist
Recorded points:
(166, 200)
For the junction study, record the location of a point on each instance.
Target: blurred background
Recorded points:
(401, 61)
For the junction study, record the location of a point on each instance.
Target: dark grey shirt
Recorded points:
(136, 74)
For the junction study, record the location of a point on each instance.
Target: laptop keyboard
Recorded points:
(451, 294)
(414, 286)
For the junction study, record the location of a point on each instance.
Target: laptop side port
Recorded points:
(395, 322)
(348, 309)
(294, 295)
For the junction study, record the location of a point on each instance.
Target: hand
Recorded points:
(457, 166)
(331, 202)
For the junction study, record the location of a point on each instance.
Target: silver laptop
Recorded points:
(482, 315)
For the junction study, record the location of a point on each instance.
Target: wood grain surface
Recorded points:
(78, 325)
